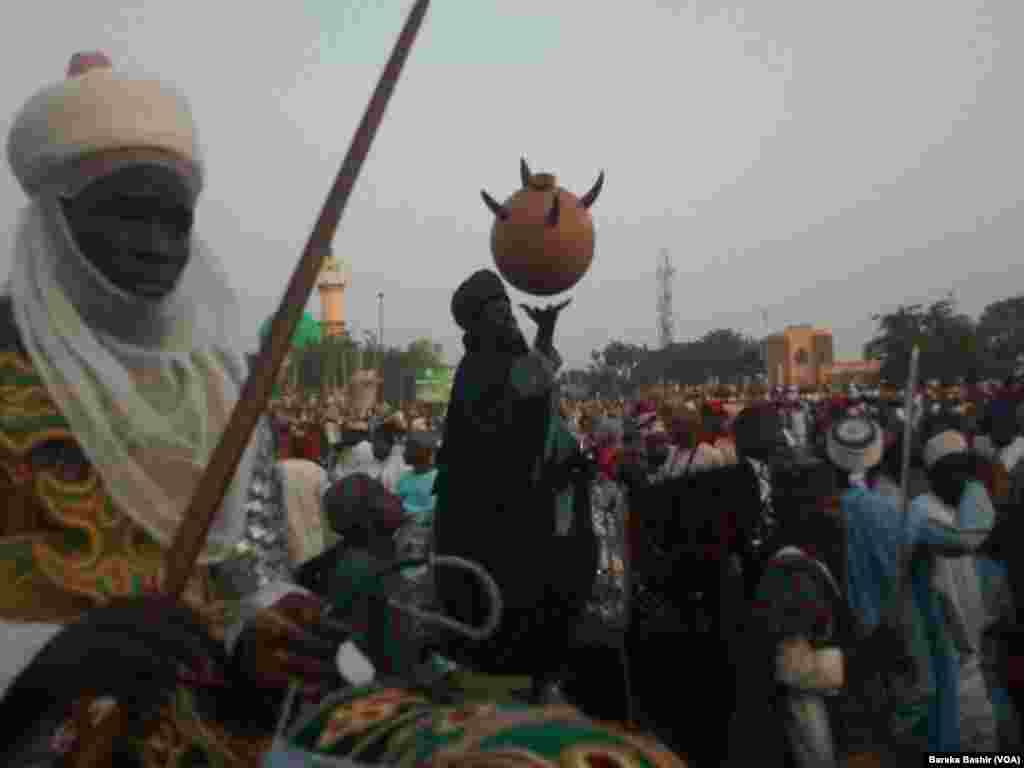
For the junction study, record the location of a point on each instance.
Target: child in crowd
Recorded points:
(416, 490)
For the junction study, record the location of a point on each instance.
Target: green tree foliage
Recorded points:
(422, 354)
(1000, 334)
(946, 337)
(620, 368)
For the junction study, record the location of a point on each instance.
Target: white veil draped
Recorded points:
(147, 387)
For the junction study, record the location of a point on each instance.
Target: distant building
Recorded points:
(800, 356)
(803, 355)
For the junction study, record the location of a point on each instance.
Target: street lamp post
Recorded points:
(764, 341)
(380, 330)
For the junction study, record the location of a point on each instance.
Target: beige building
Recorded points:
(334, 280)
(799, 356)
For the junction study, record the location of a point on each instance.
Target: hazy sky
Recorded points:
(821, 159)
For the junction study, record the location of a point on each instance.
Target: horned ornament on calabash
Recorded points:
(543, 235)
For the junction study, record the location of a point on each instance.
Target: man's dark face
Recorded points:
(497, 313)
(497, 322)
(135, 227)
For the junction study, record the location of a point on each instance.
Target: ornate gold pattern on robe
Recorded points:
(64, 546)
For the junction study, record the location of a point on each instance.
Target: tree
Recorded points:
(951, 348)
(652, 368)
(723, 354)
(602, 378)
(623, 360)
(621, 368)
(897, 334)
(1000, 335)
(729, 355)
(422, 354)
(946, 338)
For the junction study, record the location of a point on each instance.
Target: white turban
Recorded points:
(942, 445)
(96, 110)
(146, 386)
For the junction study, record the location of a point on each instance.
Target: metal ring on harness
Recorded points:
(431, 617)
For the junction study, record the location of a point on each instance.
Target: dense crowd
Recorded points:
(796, 499)
(821, 598)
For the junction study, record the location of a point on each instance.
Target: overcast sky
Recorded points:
(820, 159)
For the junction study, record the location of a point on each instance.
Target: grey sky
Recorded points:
(820, 158)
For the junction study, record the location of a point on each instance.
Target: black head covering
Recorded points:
(359, 501)
(482, 286)
(759, 435)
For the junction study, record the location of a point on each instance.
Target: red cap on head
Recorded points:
(83, 62)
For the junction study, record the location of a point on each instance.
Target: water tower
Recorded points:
(335, 277)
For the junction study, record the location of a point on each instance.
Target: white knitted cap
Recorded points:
(942, 445)
(94, 110)
(855, 444)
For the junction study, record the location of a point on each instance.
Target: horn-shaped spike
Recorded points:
(496, 208)
(552, 218)
(591, 197)
(524, 172)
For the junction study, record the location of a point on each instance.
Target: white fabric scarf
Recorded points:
(956, 579)
(303, 483)
(146, 386)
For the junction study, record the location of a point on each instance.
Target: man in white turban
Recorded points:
(120, 364)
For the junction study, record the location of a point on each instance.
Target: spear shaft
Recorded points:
(908, 435)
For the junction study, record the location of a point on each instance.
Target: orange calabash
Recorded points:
(543, 236)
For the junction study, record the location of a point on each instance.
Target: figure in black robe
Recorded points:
(508, 493)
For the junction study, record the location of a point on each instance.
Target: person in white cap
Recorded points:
(973, 605)
(922, 629)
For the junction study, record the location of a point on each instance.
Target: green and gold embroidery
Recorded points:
(70, 534)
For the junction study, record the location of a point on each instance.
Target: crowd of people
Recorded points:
(815, 451)
(812, 533)
(833, 576)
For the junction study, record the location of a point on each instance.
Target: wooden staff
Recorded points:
(908, 433)
(95, 748)
(908, 436)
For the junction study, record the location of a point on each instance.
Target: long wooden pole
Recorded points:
(255, 394)
(96, 749)
(908, 433)
(908, 436)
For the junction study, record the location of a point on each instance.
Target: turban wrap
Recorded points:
(93, 110)
(470, 297)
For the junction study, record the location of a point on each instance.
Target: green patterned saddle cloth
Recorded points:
(395, 726)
